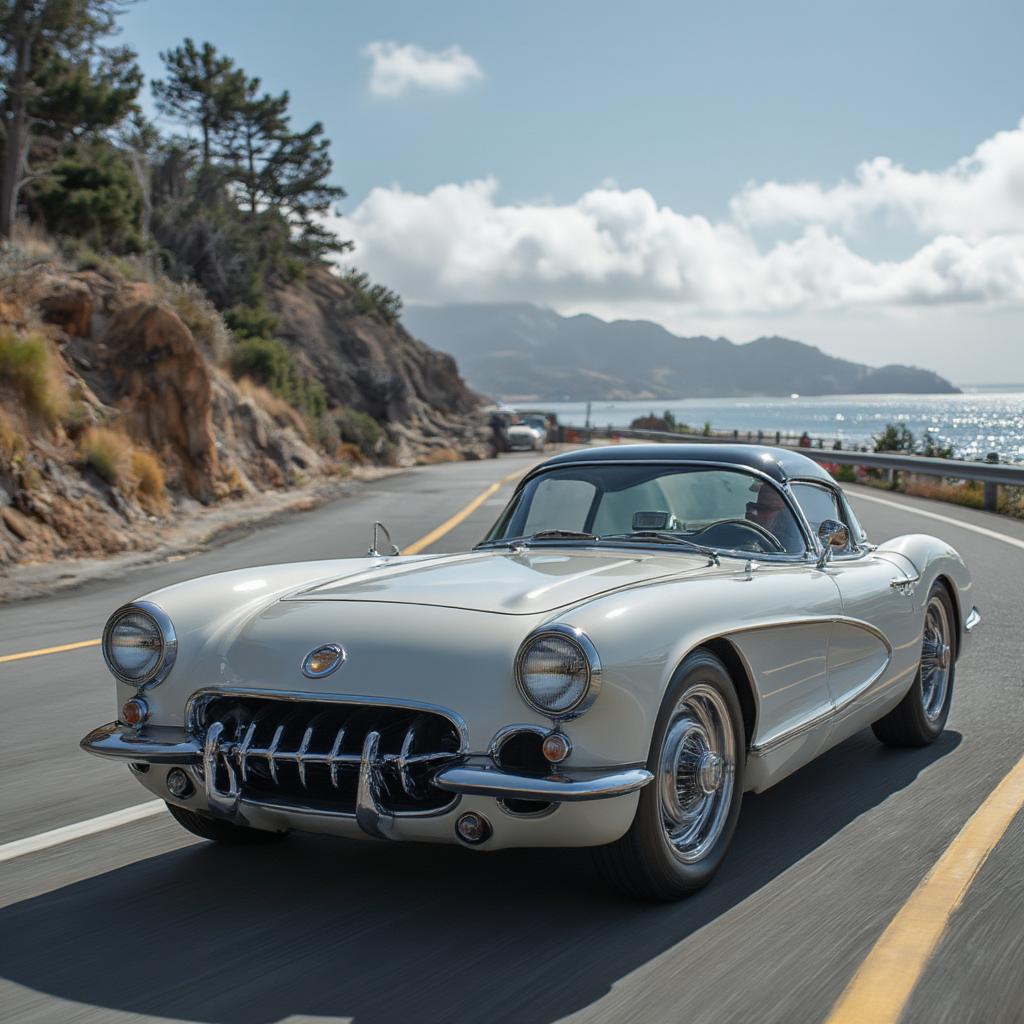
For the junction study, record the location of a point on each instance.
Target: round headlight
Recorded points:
(558, 672)
(139, 644)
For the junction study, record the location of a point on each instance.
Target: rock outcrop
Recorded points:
(148, 423)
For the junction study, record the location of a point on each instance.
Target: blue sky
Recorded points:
(577, 118)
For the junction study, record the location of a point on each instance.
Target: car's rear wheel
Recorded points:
(221, 831)
(921, 716)
(686, 816)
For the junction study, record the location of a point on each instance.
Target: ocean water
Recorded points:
(973, 423)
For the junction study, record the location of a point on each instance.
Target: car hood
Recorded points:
(527, 582)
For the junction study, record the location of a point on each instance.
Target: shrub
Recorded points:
(252, 321)
(895, 438)
(361, 430)
(27, 367)
(374, 299)
(147, 475)
(200, 316)
(845, 474)
(266, 361)
(108, 453)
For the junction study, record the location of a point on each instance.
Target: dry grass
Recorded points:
(134, 470)
(108, 452)
(11, 442)
(199, 315)
(438, 455)
(148, 477)
(281, 412)
(33, 243)
(28, 367)
(970, 494)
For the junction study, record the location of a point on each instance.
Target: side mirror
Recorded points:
(832, 534)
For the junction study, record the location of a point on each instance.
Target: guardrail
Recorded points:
(992, 474)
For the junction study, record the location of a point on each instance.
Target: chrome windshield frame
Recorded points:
(811, 546)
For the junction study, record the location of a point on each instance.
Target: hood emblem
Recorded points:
(323, 660)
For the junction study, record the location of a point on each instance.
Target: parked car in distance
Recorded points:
(524, 436)
(646, 633)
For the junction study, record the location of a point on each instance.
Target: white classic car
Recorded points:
(646, 633)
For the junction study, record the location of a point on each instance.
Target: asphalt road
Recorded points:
(143, 922)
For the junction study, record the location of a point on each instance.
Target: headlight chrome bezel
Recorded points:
(168, 637)
(578, 638)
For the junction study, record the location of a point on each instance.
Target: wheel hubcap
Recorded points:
(936, 656)
(696, 771)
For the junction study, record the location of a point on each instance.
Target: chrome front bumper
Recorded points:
(469, 774)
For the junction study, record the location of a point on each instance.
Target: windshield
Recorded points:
(716, 508)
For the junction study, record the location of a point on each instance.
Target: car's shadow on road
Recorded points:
(382, 933)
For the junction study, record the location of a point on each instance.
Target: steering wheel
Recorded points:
(746, 524)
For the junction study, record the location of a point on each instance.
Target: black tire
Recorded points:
(909, 724)
(644, 863)
(221, 831)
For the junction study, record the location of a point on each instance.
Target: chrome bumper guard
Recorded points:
(468, 775)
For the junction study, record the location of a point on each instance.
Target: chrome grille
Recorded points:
(321, 754)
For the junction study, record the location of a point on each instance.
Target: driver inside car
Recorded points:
(771, 512)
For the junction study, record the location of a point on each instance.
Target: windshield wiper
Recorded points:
(542, 535)
(668, 538)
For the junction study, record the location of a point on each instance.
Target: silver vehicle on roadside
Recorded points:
(646, 633)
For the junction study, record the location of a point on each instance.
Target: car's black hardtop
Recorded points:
(780, 464)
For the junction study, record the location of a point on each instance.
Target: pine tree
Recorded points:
(202, 90)
(59, 85)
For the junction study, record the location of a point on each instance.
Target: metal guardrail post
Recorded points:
(991, 499)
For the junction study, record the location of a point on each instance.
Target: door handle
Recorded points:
(904, 584)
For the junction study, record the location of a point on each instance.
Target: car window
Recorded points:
(818, 504)
(559, 504)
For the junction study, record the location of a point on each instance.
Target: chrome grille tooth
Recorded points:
(242, 752)
(300, 754)
(404, 759)
(272, 751)
(332, 757)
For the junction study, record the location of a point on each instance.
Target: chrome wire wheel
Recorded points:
(696, 772)
(936, 656)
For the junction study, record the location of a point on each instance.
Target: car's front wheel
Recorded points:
(686, 816)
(221, 831)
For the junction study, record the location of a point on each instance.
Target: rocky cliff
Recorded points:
(118, 414)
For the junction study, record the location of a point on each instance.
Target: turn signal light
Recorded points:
(134, 712)
(556, 747)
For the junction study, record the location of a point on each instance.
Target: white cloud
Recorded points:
(618, 248)
(397, 68)
(979, 196)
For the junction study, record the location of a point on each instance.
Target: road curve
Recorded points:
(143, 922)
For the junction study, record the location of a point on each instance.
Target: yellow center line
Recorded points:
(887, 977)
(464, 513)
(435, 535)
(49, 650)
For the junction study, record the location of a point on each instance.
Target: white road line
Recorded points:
(56, 836)
(983, 530)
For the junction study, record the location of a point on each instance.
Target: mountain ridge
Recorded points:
(522, 351)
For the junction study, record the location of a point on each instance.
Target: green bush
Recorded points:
(363, 431)
(251, 321)
(374, 299)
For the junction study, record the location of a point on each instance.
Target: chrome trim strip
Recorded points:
(483, 779)
(587, 649)
(200, 697)
(167, 634)
(154, 744)
(972, 621)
